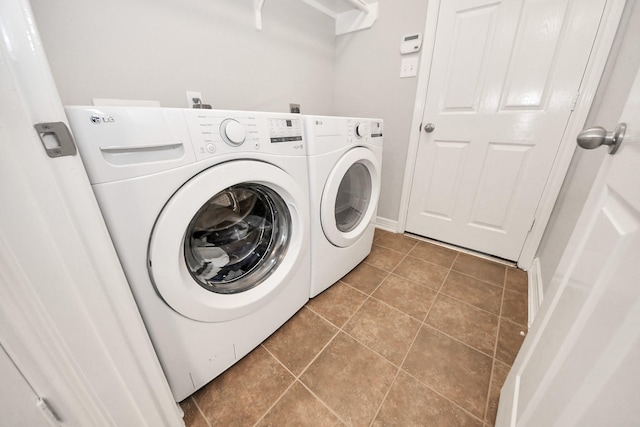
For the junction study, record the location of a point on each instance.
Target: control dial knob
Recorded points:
(232, 132)
(361, 130)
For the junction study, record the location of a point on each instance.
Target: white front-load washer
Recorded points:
(345, 157)
(209, 214)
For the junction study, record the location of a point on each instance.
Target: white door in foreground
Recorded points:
(580, 363)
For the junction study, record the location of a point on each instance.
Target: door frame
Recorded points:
(590, 80)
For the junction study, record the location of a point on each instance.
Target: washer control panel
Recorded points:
(219, 132)
(285, 130)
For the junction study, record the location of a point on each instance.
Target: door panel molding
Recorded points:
(593, 72)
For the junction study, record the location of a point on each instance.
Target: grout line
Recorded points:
(276, 401)
(457, 405)
(206, 420)
(339, 329)
(425, 324)
(323, 403)
(478, 279)
(469, 304)
(369, 296)
(384, 399)
(495, 349)
(297, 377)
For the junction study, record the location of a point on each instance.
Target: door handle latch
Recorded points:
(56, 139)
(596, 136)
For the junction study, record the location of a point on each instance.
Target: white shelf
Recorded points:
(350, 15)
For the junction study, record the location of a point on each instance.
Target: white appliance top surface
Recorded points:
(327, 134)
(124, 142)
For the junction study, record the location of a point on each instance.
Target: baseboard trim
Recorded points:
(387, 224)
(535, 290)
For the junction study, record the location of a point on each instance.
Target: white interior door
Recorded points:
(579, 365)
(18, 401)
(503, 81)
(67, 317)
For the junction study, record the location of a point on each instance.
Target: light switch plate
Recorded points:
(409, 67)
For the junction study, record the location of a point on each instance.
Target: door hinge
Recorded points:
(574, 100)
(47, 412)
(532, 223)
(56, 139)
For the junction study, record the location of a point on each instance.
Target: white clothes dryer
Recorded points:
(345, 157)
(209, 214)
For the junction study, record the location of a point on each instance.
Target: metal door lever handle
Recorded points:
(596, 136)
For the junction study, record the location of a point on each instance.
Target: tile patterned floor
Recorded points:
(416, 335)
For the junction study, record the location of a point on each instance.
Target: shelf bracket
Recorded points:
(364, 16)
(361, 15)
(257, 6)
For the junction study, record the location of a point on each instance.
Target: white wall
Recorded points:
(611, 96)
(156, 50)
(368, 84)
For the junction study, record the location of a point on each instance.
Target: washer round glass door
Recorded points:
(227, 240)
(350, 197)
(237, 238)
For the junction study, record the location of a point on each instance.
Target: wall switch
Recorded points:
(191, 95)
(409, 67)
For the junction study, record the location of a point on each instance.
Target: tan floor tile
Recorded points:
(337, 304)
(242, 394)
(406, 296)
(383, 329)
(498, 376)
(351, 379)
(469, 324)
(192, 416)
(298, 407)
(299, 340)
(517, 280)
(423, 272)
(384, 258)
(411, 403)
(473, 291)
(434, 254)
(379, 232)
(451, 368)
(515, 307)
(365, 277)
(509, 341)
(397, 242)
(482, 269)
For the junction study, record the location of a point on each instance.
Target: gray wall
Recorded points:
(368, 84)
(621, 68)
(156, 50)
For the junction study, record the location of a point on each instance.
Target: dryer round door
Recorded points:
(350, 197)
(228, 240)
